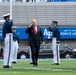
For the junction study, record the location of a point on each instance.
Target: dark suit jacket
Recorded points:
(56, 32)
(34, 39)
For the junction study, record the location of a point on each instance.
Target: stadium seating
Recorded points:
(23, 13)
(56, 0)
(63, 0)
(40, 0)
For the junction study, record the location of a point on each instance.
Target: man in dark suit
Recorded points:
(34, 40)
(55, 41)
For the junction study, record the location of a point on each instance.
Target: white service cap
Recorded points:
(14, 27)
(6, 15)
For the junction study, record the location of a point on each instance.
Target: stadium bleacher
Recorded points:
(63, 0)
(39, 0)
(23, 13)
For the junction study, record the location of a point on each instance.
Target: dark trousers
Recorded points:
(34, 0)
(27, 0)
(35, 54)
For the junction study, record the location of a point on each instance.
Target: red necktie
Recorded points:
(35, 30)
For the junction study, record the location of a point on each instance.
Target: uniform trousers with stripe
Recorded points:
(14, 51)
(8, 49)
(30, 54)
(55, 48)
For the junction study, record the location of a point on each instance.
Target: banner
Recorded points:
(66, 33)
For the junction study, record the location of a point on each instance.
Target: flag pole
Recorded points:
(10, 9)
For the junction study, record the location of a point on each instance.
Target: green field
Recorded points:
(45, 67)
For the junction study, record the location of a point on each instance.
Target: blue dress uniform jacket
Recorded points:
(7, 28)
(16, 37)
(56, 32)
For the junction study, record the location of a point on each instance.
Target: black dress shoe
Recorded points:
(36, 64)
(6, 66)
(56, 63)
(31, 63)
(14, 62)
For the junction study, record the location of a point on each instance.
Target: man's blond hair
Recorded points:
(34, 21)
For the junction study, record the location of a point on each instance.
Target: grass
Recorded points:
(45, 67)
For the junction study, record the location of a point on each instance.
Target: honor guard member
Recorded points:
(55, 41)
(15, 44)
(7, 35)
